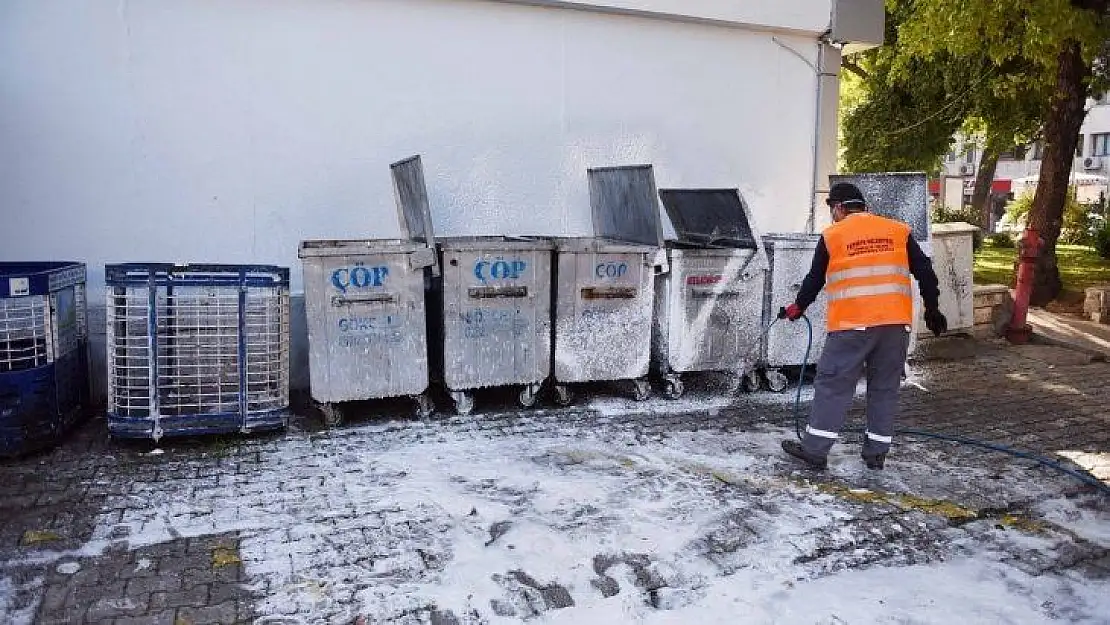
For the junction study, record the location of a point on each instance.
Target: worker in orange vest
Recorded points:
(864, 262)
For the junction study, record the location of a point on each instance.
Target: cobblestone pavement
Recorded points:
(301, 526)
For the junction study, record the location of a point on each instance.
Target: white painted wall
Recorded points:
(229, 130)
(801, 15)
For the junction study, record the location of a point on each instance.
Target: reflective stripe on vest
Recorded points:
(866, 272)
(874, 289)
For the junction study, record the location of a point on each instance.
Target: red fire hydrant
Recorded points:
(1029, 248)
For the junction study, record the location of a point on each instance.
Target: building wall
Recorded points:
(230, 130)
(1097, 122)
(810, 16)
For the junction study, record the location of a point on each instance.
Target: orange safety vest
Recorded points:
(868, 279)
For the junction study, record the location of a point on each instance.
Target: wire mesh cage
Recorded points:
(43, 352)
(197, 349)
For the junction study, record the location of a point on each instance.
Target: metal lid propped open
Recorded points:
(624, 206)
(710, 217)
(411, 194)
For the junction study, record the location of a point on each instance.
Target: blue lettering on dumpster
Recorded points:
(366, 331)
(359, 277)
(384, 337)
(499, 269)
(368, 324)
(482, 323)
(611, 270)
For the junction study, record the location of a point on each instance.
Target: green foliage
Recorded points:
(1080, 266)
(901, 121)
(942, 214)
(1027, 31)
(918, 91)
(1001, 240)
(1076, 228)
(1102, 240)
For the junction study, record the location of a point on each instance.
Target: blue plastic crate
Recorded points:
(197, 349)
(43, 353)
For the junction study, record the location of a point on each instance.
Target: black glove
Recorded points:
(936, 322)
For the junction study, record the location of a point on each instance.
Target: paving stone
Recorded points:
(219, 593)
(222, 614)
(197, 596)
(165, 617)
(1044, 403)
(167, 582)
(107, 608)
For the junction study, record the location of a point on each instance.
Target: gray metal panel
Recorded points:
(367, 331)
(485, 243)
(624, 204)
(354, 247)
(411, 195)
(709, 311)
(790, 256)
(859, 22)
(710, 217)
(901, 196)
(600, 245)
(603, 311)
(496, 312)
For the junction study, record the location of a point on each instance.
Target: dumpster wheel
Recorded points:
(333, 416)
(424, 406)
(776, 381)
(528, 395)
(563, 396)
(464, 402)
(751, 382)
(673, 387)
(641, 389)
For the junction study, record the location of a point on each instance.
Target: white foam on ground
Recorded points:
(369, 522)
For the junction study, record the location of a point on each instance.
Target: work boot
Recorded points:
(874, 462)
(795, 449)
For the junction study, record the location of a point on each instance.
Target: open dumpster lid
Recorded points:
(898, 195)
(710, 217)
(412, 200)
(624, 206)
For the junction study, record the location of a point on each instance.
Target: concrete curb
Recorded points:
(1041, 339)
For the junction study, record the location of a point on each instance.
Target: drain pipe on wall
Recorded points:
(821, 73)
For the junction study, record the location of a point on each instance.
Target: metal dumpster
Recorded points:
(789, 256)
(709, 306)
(604, 295)
(196, 349)
(366, 308)
(43, 353)
(492, 323)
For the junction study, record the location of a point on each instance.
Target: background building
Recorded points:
(1019, 168)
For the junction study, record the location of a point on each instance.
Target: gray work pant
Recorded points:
(882, 350)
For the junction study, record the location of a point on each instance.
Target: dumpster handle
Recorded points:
(706, 293)
(385, 298)
(617, 292)
(494, 292)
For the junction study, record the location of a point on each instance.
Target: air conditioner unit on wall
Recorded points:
(967, 169)
(1092, 162)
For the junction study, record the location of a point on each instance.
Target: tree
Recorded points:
(901, 108)
(1006, 113)
(1059, 42)
(899, 112)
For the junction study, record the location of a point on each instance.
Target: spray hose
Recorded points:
(1084, 477)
